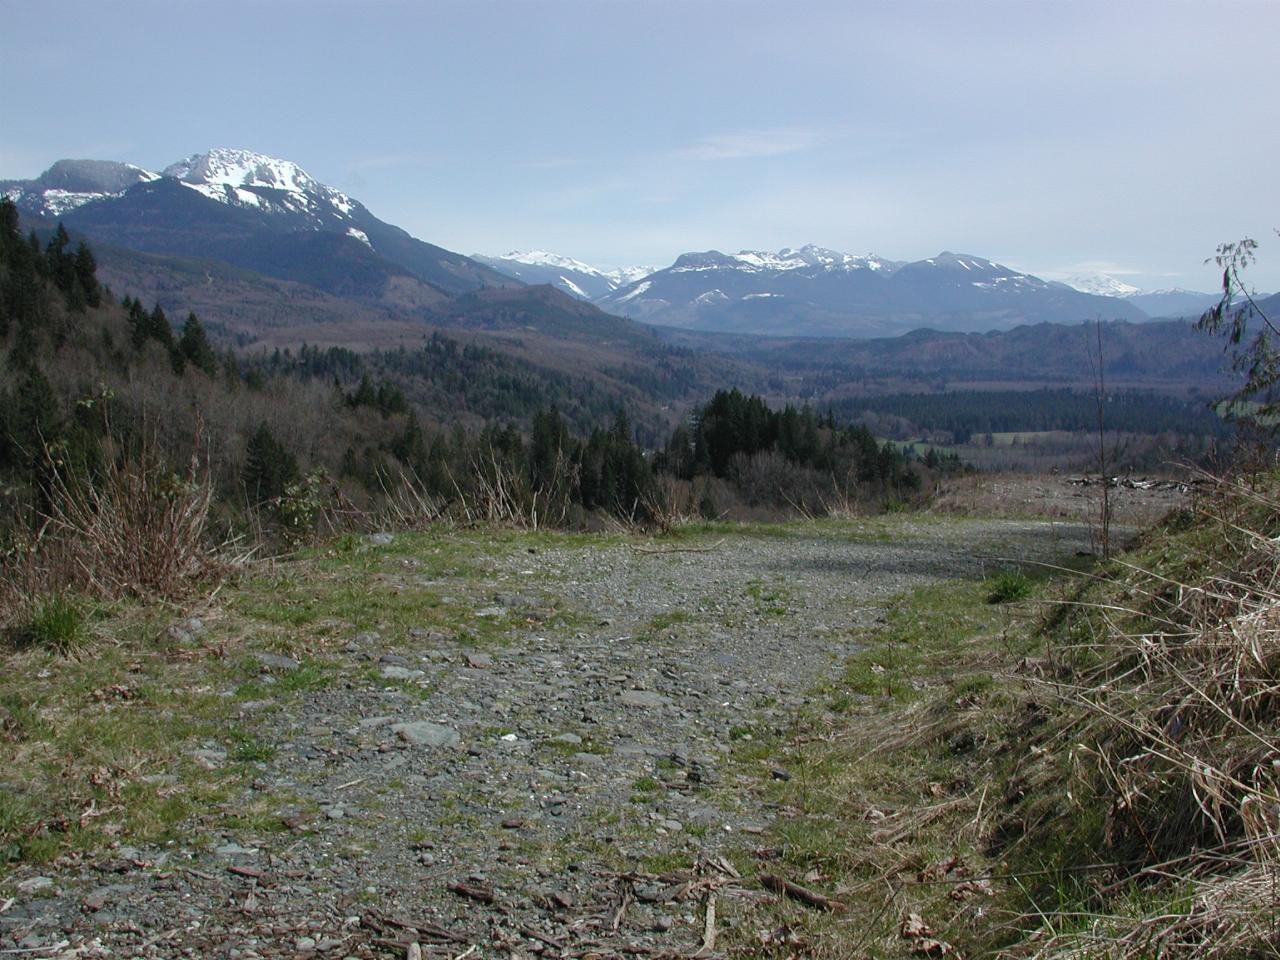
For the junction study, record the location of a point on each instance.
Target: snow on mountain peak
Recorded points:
(234, 177)
(543, 258)
(1102, 285)
(623, 276)
(242, 168)
(808, 257)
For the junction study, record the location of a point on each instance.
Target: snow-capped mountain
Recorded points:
(251, 180)
(808, 258)
(813, 291)
(1174, 303)
(1101, 284)
(574, 277)
(621, 276)
(69, 184)
(253, 211)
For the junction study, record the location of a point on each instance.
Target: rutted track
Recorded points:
(525, 797)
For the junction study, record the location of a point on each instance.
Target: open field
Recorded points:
(573, 726)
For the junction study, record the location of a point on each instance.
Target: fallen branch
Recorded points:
(662, 550)
(810, 898)
(623, 903)
(377, 920)
(709, 926)
(472, 892)
(533, 934)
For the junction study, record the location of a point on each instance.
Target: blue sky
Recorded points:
(1056, 137)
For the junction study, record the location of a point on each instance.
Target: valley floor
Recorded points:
(490, 744)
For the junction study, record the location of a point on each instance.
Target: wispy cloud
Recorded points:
(1081, 268)
(749, 144)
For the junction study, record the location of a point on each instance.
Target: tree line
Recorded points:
(282, 435)
(964, 413)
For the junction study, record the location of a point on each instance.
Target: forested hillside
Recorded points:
(100, 390)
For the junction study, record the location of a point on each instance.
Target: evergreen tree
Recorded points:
(549, 446)
(195, 346)
(34, 431)
(269, 468)
(158, 327)
(86, 268)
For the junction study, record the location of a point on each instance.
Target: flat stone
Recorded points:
(567, 738)
(401, 673)
(643, 698)
(379, 539)
(479, 661)
(186, 632)
(276, 661)
(235, 850)
(36, 884)
(491, 612)
(209, 759)
(424, 733)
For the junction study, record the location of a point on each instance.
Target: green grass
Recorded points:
(1009, 587)
(57, 624)
(665, 621)
(886, 771)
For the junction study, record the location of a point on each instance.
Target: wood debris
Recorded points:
(810, 898)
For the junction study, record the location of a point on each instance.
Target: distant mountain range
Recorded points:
(270, 217)
(1154, 303)
(252, 211)
(813, 283)
(817, 292)
(574, 277)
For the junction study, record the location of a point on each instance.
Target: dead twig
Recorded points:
(709, 926)
(472, 891)
(638, 548)
(810, 898)
(378, 921)
(624, 901)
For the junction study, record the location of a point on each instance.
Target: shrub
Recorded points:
(56, 624)
(1009, 587)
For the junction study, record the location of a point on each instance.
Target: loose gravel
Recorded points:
(555, 794)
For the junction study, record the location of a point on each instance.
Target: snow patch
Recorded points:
(58, 202)
(623, 276)
(209, 190)
(242, 168)
(359, 235)
(1101, 284)
(573, 288)
(639, 289)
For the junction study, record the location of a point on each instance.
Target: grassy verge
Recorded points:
(886, 786)
(117, 725)
(100, 740)
(1090, 770)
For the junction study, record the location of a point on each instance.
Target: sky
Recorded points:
(1058, 137)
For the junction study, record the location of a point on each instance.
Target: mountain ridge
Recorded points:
(818, 292)
(253, 211)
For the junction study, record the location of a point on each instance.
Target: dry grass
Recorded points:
(1172, 716)
(136, 529)
(1094, 777)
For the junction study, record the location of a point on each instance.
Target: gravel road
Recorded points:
(551, 795)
